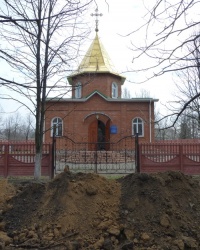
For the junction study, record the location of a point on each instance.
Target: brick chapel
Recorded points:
(96, 112)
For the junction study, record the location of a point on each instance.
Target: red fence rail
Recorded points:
(160, 157)
(17, 159)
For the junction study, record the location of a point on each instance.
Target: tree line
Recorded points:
(185, 128)
(17, 127)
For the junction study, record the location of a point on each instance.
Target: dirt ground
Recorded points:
(87, 211)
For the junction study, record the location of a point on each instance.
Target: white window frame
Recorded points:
(78, 90)
(57, 126)
(138, 126)
(114, 90)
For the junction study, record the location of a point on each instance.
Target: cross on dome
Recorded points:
(97, 20)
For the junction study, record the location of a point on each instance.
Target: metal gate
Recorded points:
(120, 157)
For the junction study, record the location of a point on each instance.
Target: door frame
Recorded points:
(93, 134)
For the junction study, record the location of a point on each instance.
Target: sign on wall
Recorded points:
(113, 129)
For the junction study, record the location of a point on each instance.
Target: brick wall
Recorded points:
(100, 82)
(78, 115)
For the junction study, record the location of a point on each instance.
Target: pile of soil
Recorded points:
(88, 211)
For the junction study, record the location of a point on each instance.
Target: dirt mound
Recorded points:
(75, 209)
(7, 191)
(87, 211)
(161, 210)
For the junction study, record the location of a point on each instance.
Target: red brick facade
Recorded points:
(96, 105)
(101, 82)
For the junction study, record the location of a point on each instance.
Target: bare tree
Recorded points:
(40, 42)
(28, 127)
(162, 129)
(8, 128)
(166, 45)
(188, 86)
(126, 93)
(17, 127)
(143, 93)
(11, 127)
(185, 129)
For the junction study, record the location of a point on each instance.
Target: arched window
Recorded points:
(114, 90)
(138, 126)
(57, 127)
(78, 90)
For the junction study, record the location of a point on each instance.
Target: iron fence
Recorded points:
(101, 157)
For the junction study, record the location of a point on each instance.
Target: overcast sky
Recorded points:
(119, 19)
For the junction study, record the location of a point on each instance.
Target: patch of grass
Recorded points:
(113, 176)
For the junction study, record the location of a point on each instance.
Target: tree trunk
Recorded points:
(37, 169)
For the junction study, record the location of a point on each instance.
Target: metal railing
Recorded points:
(100, 157)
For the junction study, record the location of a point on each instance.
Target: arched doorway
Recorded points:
(99, 135)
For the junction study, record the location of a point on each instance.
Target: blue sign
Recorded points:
(113, 129)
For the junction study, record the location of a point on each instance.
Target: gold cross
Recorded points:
(97, 21)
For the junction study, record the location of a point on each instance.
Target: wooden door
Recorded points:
(93, 135)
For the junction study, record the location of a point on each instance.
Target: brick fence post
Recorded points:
(6, 160)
